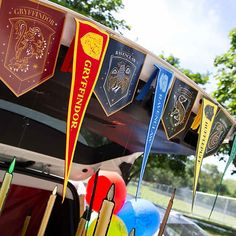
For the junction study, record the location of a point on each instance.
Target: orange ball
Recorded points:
(105, 180)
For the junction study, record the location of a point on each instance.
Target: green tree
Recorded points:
(196, 77)
(209, 181)
(101, 11)
(231, 185)
(162, 168)
(209, 177)
(226, 76)
(226, 86)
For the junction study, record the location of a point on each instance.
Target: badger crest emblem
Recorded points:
(209, 112)
(216, 136)
(118, 79)
(220, 128)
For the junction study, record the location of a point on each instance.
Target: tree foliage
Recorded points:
(196, 77)
(101, 11)
(163, 169)
(226, 76)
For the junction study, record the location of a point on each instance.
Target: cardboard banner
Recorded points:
(89, 50)
(220, 128)
(208, 116)
(163, 81)
(178, 108)
(230, 160)
(119, 76)
(29, 43)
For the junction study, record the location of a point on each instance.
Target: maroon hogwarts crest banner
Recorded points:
(29, 43)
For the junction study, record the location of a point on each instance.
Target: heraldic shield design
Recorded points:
(118, 80)
(29, 43)
(119, 76)
(178, 108)
(219, 130)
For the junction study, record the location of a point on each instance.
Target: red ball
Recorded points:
(105, 180)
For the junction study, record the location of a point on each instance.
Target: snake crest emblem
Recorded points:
(181, 103)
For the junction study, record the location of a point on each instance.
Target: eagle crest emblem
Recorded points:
(119, 76)
(118, 79)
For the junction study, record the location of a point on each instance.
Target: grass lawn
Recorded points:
(184, 207)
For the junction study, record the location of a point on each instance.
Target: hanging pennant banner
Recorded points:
(29, 43)
(230, 160)
(220, 128)
(178, 108)
(119, 76)
(89, 50)
(208, 115)
(163, 82)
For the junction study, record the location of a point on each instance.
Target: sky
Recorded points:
(195, 31)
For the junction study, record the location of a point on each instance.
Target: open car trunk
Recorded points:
(33, 123)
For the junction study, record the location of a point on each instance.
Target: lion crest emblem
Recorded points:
(30, 43)
(27, 48)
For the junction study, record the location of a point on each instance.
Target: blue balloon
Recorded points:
(141, 215)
